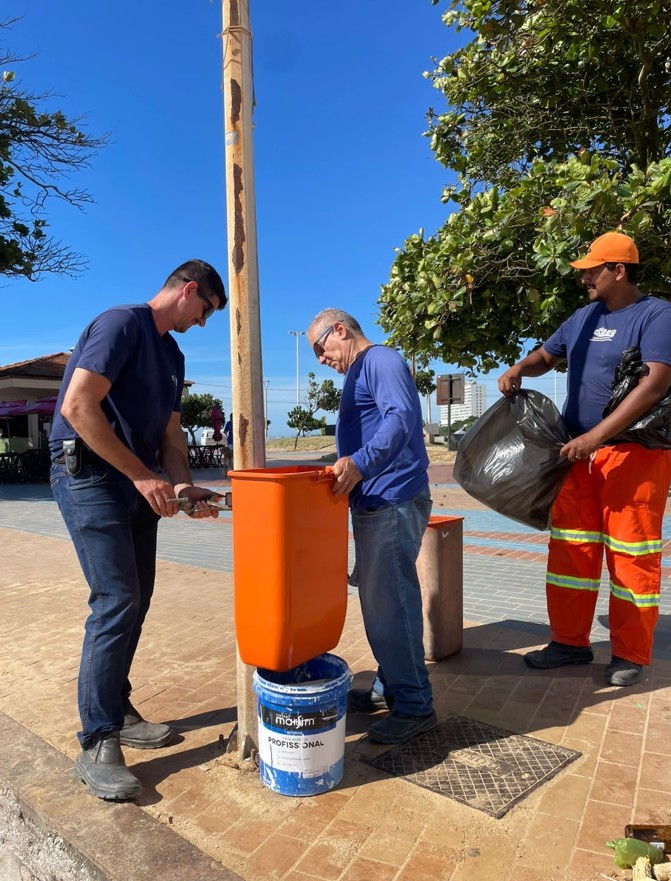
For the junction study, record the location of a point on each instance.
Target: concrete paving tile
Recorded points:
(368, 870)
(628, 718)
(295, 875)
(564, 796)
(394, 839)
(588, 864)
(430, 863)
(313, 813)
(587, 726)
(601, 822)
(275, 857)
(615, 783)
(488, 698)
(327, 860)
(622, 747)
(553, 837)
(247, 834)
(655, 772)
(584, 766)
(652, 806)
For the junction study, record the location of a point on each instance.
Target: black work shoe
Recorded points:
(367, 700)
(398, 728)
(556, 654)
(103, 769)
(138, 733)
(620, 671)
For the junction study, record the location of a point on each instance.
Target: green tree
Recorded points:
(425, 378)
(197, 413)
(556, 131)
(318, 396)
(39, 151)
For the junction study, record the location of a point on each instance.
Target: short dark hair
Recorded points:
(630, 268)
(206, 276)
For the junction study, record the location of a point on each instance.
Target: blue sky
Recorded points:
(343, 174)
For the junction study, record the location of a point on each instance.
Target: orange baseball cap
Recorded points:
(611, 247)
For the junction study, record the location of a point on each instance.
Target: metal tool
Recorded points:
(220, 501)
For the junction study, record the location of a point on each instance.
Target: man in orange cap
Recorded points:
(615, 495)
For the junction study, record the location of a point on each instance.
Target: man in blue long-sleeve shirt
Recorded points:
(382, 467)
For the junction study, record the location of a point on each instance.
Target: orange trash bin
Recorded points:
(289, 564)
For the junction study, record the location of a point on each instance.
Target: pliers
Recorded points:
(220, 501)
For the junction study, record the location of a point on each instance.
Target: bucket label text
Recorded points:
(285, 720)
(307, 754)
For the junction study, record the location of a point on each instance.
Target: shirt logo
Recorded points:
(603, 335)
(174, 378)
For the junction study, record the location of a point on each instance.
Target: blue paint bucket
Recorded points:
(302, 716)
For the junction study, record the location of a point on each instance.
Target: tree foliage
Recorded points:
(197, 413)
(39, 150)
(318, 396)
(557, 130)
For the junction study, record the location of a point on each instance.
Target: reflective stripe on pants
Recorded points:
(615, 501)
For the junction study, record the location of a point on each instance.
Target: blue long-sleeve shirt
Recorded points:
(380, 426)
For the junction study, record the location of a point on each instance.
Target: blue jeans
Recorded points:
(114, 530)
(387, 542)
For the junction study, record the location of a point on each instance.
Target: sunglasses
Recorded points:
(208, 311)
(318, 345)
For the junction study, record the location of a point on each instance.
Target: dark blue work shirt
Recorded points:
(593, 339)
(146, 371)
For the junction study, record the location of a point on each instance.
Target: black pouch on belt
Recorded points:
(72, 453)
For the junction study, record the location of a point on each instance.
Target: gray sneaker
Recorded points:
(103, 769)
(140, 734)
(620, 671)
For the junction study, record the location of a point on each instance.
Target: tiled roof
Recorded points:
(46, 367)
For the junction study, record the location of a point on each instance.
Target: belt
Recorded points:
(86, 456)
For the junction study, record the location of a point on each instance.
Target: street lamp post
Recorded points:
(297, 333)
(266, 382)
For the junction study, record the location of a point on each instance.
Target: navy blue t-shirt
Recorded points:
(593, 339)
(147, 374)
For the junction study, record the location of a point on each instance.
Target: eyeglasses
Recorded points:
(209, 309)
(318, 345)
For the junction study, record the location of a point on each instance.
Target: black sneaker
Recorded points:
(367, 700)
(556, 654)
(620, 671)
(103, 769)
(399, 728)
(140, 734)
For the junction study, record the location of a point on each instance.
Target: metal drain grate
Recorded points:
(478, 765)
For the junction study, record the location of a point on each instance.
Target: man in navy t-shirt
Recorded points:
(382, 467)
(117, 423)
(615, 495)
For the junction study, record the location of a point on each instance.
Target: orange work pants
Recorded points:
(614, 501)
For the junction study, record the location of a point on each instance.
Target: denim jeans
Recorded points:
(114, 530)
(387, 543)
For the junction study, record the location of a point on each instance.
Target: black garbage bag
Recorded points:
(510, 458)
(653, 428)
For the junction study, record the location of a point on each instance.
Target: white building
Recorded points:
(475, 404)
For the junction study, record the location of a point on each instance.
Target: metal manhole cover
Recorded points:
(478, 765)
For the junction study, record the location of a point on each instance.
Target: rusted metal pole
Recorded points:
(249, 449)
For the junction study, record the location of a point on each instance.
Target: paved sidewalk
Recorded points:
(371, 828)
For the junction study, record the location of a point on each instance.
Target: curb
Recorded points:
(53, 828)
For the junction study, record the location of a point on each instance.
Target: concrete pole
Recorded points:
(249, 449)
(297, 333)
